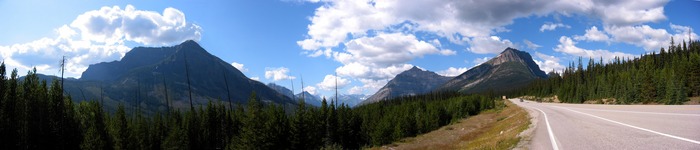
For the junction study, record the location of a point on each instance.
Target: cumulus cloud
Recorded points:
(479, 61)
(371, 85)
(99, 36)
(452, 71)
(310, 89)
(593, 34)
(489, 45)
(649, 38)
(550, 63)
(568, 46)
(552, 26)
(387, 49)
(113, 24)
(355, 90)
(383, 56)
(643, 36)
(277, 74)
(329, 83)
(239, 66)
(531, 45)
(337, 20)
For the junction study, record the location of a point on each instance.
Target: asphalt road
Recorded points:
(587, 126)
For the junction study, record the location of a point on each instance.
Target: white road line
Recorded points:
(641, 112)
(631, 126)
(549, 129)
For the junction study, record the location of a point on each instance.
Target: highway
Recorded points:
(589, 126)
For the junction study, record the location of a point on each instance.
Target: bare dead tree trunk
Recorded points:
(230, 105)
(189, 87)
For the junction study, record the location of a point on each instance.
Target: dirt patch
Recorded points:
(489, 130)
(552, 99)
(693, 101)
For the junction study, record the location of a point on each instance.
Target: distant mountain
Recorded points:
(414, 81)
(351, 100)
(509, 70)
(282, 90)
(143, 71)
(310, 99)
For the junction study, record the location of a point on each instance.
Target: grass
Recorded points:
(502, 134)
(482, 131)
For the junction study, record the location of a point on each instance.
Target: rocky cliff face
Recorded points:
(414, 81)
(511, 69)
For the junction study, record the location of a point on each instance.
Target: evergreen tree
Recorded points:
(119, 129)
(95, 134)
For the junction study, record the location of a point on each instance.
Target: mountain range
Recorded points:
(510, 70)
(414, 81)
(315, 100)
(142, 75)
(148, 76)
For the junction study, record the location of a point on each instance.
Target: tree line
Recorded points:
(34, 114)
(669, 77)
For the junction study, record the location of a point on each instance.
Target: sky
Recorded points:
(362, 43)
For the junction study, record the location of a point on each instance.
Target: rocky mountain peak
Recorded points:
(413, 81)
(510, 69)
(509, 55)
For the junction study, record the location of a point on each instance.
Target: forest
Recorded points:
(35, 114)
(669, 77)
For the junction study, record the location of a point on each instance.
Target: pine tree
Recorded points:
(119, 129)
(92, 121)
(252, 133)
(300, 123)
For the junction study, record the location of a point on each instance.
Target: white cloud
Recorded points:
(99, 36)
(626, 12)
(452, 71)
(355, 90)
(278, 74)
(593, 34)
(486, 45)
(113, 24)
(568, 46)
(337, 20)
(383, 56)
(479, 61)
(552, 26)
(359, 71)
(531, 45)
(645, 36)
(329, 83)
(371, 85)
(681, 33)
(239, 66)
(255, 78)
(310, 89)
(550, 63)
(386, 49)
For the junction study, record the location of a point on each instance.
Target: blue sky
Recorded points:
(364, 43)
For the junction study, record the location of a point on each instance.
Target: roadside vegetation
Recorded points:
(497, 128)
(669, 77)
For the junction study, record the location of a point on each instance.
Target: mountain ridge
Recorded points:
(509, 70)
(414, 81)
(143, 72)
